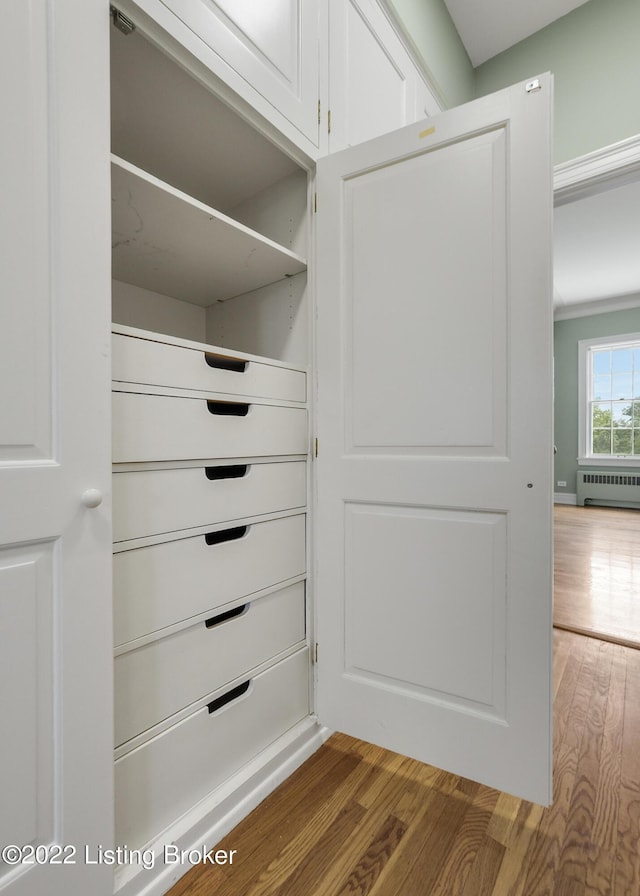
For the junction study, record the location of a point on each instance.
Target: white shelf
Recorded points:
(171, 124)
(168, 242)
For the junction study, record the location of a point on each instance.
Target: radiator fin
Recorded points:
(609, 479)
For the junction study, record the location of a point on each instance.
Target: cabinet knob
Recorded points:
(92, 497)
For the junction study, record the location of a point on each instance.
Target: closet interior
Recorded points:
(211, 335)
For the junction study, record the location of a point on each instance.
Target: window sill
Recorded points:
(609, 461)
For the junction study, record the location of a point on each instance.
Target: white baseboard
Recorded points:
(216, 815)
(565, 498)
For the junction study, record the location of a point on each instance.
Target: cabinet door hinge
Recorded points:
(315, 202)
(315, 447)
(318, 111)
(329, 121)
(315, 653)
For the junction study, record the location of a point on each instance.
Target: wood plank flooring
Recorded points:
(597, 572)
(356, 820)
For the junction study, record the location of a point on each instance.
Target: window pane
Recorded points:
(636, 441)
(621, 385)
(601, 362)
(601, 414)
(622, 441)
(622, 413)
(602, 386)
(636, 373)
(601, 441)
(622, 360)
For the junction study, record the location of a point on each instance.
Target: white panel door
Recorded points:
(434, 426)
(55, 601)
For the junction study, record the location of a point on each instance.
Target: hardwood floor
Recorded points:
(356, 820)
(597, 572)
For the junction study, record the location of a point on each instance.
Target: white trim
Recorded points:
(595, 171)
(618, 461)
(584, 389)
(565, 498)
(212, 819)
(616, 340)
(599, 306)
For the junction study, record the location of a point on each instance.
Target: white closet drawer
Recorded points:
(157, 680)
(138, 360)
(154, 501)
(159, 427)
(159, 781)
(161, 584)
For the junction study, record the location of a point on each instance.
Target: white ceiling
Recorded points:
(597, 246)
(487, 27)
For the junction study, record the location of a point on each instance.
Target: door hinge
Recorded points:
(315, 653)
(315, 202)
(121, 21)
(318, 111)
(329, 121)
(316, 448)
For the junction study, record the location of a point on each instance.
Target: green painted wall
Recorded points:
(594, 54)
(430, 29)
(567, 333)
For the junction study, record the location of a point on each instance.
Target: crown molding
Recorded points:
(599, 306)
(607, 167)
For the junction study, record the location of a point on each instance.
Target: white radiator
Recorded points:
(615, 489)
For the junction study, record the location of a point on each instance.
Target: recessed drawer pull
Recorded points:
(224, 617)
(231, 471)
(227, 698)
(228, 408)
(225, 535)
(222, 362)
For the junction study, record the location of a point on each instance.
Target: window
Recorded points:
(609, 387)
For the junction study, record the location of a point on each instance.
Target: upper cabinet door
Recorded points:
(56, 647)
(374, 86)
(434, 472)
(266, 51)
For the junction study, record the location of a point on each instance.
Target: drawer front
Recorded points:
(160, 427)
(137, 360)
(159, 781)
(161, 584)
(154, 501)
(161, 678)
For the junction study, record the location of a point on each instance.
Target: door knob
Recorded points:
(92, 497)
